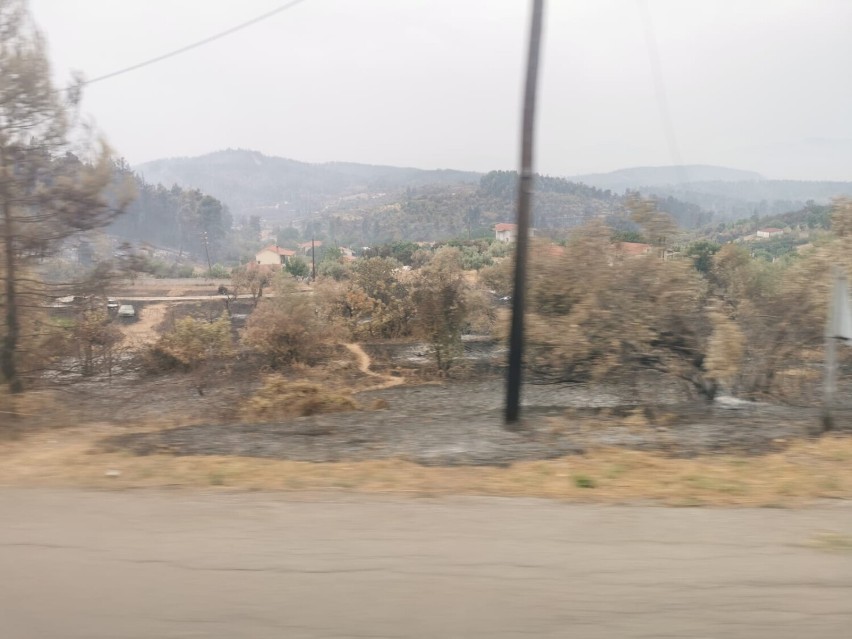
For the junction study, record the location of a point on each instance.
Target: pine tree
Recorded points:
(47, 192)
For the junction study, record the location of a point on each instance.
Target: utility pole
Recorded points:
(313, 261)
(207, 252)
(525, 187)
(838, 327)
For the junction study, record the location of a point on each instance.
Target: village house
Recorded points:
(306, 247)
(274, 256)
(769, 232)
(506, 232)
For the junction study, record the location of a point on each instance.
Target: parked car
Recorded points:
(126, 310)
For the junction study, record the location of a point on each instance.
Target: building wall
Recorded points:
(268, 258)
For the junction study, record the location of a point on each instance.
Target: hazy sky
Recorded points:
(753, 84)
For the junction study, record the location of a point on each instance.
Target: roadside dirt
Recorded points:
(597, 442)
(460, 423)
(141, 332)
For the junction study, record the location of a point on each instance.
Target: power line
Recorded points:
(195, 45)
(660, 88)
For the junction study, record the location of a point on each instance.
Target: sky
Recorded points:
(758, 85)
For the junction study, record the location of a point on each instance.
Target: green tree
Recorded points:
(702, 253)
(46, 193)
(298, 267)
(333, 270)
(627, 236)
(440, 301)
(332, 254)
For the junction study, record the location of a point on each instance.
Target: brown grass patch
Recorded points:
(805, 472)
(279, 397)
(29, 404)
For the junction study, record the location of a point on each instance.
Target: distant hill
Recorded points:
(279, 188)
(646, 176)
(360, 203)
(734, 200)
(724, 192)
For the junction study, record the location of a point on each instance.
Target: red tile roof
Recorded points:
(503, 226)
(278, 250)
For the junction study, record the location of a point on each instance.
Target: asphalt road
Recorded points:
(78, 564)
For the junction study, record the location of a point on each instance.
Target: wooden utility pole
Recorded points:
(207, 252)
(838, 327)
(313, 261)
(525, 187)
(830, 382)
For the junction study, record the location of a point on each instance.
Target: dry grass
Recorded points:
(279, 397)
(805, 472)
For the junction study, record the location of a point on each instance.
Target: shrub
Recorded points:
(218, 271)
(333, 270)
(192, 343)
(287, 329)
(297, 267)
(280, 398)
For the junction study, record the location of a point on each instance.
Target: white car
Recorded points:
(126, 310)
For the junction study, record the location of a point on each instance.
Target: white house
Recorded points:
(506, 232)
(273, 256)
(769, 232)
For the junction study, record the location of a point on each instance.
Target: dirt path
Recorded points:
(97, 565)
(142, 331)
(364, 363)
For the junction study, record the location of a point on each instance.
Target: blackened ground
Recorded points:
(460, 423)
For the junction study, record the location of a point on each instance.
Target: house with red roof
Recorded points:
(274, 255)
(307, 247)
(506, 232)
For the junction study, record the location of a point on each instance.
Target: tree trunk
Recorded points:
(8, 365)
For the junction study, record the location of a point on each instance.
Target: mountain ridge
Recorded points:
(647, 176)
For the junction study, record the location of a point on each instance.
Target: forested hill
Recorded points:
(251, 183)
(733, 200)
(645, 176)
(727, 193)
(359, 203)
(184, 219)
(441, 212)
